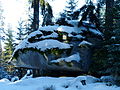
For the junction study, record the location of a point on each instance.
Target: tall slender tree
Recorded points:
(113, 47)
(35, 23)
(42, 5)
(29, 22)
(47, 16)
(21, 30)
(9, 44)
(70, 8)
(1, 18)
(89, 14)
(109, 18)
(1, 28)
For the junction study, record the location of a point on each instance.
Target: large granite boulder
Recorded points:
(58, 50)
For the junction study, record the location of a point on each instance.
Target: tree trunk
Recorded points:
(109, 17)
(36, 15)
(0, 51)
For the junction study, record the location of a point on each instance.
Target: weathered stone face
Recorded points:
(63, 49)
(30, 59)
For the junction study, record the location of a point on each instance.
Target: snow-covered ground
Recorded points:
(50, 83)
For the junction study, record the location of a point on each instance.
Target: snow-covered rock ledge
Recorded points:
(67, 49)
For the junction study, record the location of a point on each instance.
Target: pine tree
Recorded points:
(48, 14)
(42, 5)
(1, 30)
(0, 51)
(70, 8)
(9, 44)
(108, 27)
(21, 30)
(113, 47)
(1, 19)
(89, 14)
(92, 14)
(110, 54)
(29, 23)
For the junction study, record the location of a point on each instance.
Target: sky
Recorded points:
(16, 9)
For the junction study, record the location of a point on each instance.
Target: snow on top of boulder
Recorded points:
(22, 45)
(42, 45)
(53, 35)
(73, 22)
(34, 33)
(68, 29)
(79, 36)
(74, 57)
(49, 43)
(82, 28)
(76, 36)
(95, 31)
(116, 44)
(49, 28)
(85, 43)
(87, 23)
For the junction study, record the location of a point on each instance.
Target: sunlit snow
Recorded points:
(62, 83)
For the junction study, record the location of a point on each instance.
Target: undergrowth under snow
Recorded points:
(50, 83)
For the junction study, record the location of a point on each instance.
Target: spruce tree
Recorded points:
(42, 5)
(1, 30)
(21, 30)
(9, 44)
(1, 19)
(109, 19)
(46, 11)
(89, 14)
(113, 47)
(29, 23)
(108, 57)
(47, 15)
(70, 8)
(92, 14)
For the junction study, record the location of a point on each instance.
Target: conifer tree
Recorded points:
(108, 58)
(89, 14)
(113, 45)
(42, 5)
(1, 29)
(47, 16)
(46, 11)
(29, 22)
(109, 19)
(70, 8)
(9, 44)
(1, 19)
(21, 30)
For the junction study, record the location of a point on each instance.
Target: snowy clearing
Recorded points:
(50, 83)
